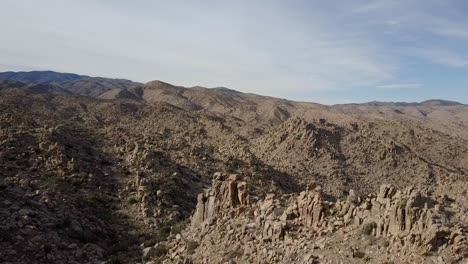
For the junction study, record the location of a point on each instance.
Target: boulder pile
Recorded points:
(289, 228)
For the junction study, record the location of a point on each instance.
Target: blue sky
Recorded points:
(322, 51)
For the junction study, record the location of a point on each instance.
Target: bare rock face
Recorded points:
(267, 219)
(311, 208)
(226, 194)
(287, 228)
(407, 219)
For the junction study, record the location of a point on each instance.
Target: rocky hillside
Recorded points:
(157, 173)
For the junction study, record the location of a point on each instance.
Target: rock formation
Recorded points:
(223, 198)
(407, 222)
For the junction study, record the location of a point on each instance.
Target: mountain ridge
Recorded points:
(59, 77)
(62, 82)
(41, 76)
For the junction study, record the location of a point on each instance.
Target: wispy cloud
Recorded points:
(288, 50)
(441, 57)
(204, 44)
(400, 86)
(452, 31)
(393, 22)
(373, 6)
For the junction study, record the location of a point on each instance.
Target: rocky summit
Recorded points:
(99, 170)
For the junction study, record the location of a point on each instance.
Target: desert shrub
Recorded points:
(234, 254)
(403, 203)
(233, 164)
(367, 228)
(160, 250)
(120, 246)
(151, 242)
(132, 200)
(427, 254)
(117, 260)
(47, 248)
(386, 244)
(191, 246)
(164, 231)
(177, 229)
(256, 168)
(359, 254)
(98, 199)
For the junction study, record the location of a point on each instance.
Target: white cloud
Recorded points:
(254, 47)
(400, 86)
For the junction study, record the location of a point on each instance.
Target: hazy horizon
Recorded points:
(334, 52)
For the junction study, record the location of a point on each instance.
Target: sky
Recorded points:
(335, 51)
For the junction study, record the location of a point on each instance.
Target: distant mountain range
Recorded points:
(41, 76)
(57, 82)
(427, 102)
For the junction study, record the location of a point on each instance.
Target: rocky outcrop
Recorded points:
(408, 221)
(267, 219)
(226, 194)
(406, 218)
(311, 207)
